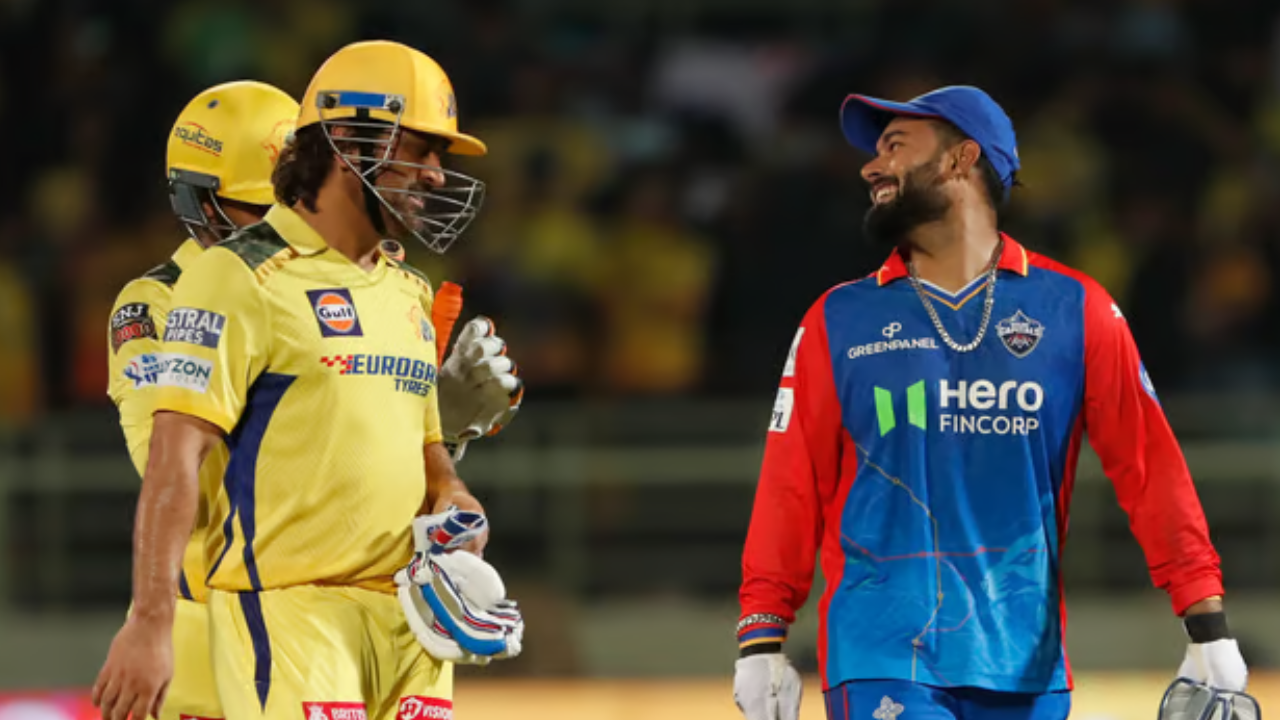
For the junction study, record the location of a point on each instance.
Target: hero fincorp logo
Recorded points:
(891, 343)
(194, 135)
(1010, 399)
(336, 312)
(977, 407)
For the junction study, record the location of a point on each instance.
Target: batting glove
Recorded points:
(480, 387)
(455, 603)
(767, 687)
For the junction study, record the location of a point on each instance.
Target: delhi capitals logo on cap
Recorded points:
(1020, 334)
(336, 312)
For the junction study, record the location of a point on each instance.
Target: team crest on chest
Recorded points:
(421, 325)
(1020, 334)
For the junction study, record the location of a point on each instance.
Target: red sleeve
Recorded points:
(1139, 453)
(801, 466)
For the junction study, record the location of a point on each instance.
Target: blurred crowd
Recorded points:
(668, 189)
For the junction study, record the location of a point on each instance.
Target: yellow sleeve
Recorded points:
(134, 361)
(216, 341)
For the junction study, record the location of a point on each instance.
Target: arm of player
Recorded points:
(801, 466)
(444, 488)
(133, 360)
(213, 350)
(1128, 430)
(134, 680)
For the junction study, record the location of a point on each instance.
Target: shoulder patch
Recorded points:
(131, 321)
(255, 245)
(167, 273)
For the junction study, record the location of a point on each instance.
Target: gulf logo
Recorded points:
(336, 312)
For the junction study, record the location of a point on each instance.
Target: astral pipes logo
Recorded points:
(1007, 408)
(196, 136)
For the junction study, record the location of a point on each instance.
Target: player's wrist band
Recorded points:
(760, 619)
(761, 633)
(1206, 627)
(760, 649)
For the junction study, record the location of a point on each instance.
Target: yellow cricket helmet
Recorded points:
(373, 75)
(224, 145)
(376, 89)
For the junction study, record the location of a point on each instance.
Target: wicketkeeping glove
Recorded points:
(480, 387)
(455, 603)
(767, 687)
(1212, 678)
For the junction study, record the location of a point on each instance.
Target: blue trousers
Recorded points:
(894, 699)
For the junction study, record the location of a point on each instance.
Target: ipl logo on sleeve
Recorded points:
(336, 312)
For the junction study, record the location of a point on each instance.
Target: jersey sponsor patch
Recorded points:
(184, 371)
(412, 376)
(334, 711)
(789, 370)
(195, 327)
(417, 707)
(1020, 334)
(144, 370)
(130, 322)
(336, 312)
(782, 405)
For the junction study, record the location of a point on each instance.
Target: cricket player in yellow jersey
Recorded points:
(220, 155)
(308, 353)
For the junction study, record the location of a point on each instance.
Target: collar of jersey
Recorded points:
(1013, 259)
(187, 252)
(295, 231)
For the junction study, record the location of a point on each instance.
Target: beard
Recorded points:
(919, 201)
(404, 221)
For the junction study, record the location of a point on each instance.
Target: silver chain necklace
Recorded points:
(987, 303)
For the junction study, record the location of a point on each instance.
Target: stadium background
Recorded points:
(668, 191)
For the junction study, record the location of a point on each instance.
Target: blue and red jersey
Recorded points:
(935, 485)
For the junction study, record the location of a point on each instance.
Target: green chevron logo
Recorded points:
(916, 411)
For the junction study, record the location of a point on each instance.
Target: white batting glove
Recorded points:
(480, 388)
(1217, 664)
(767, 687)
(454, 602)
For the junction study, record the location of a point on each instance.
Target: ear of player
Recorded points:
(480, 387)
(455, 602)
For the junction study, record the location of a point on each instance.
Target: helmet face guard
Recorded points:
(188, 191)
(436, 216)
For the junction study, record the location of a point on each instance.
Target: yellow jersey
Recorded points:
(323, 377)
(134, 363)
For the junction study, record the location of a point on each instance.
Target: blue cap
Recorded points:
(863, 119)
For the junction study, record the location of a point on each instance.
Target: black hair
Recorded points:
(303, 165)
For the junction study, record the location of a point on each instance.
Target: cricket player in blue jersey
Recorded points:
(924, 442)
